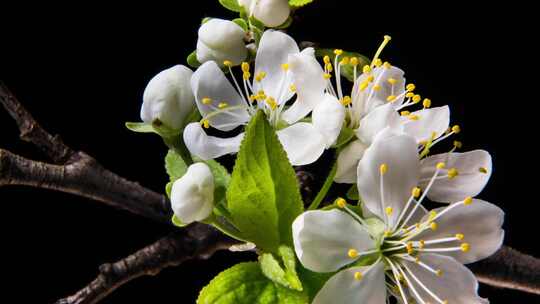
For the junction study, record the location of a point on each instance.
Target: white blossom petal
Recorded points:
(399, 154)
(344, 288)
(457, 284)
(274, 50)
(322, 239)
(220, 40)
(426, 122)
(271, 13)
(347, 162)
(192, 196)
(480, 223)
(209, 147)
(474, 170)
(309, 82)
(375, 121)
(208, 81)
(303, 143)
(328, 117)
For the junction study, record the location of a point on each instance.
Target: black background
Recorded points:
(81, 70)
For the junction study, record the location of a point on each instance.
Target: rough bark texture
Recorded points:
(78, 173)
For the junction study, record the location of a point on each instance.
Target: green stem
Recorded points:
(324, 189)
(177, 144)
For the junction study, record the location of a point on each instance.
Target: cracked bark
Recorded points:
(78, 173)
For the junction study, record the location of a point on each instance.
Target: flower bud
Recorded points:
(192, 196)
(271, 13)
(221, 40)
(168, 97)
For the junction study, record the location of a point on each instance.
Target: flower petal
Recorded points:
(474, 170)
(426, 122)
(303, 143)
(344, 288)
(328, 117)
(479, 222)
(322, 239)
(457, 284)
(208, 81)
(398, 153)
(209, 147)
(192, 196)
(375, 121)
(347, 162)
(274, 50)
(309, 82)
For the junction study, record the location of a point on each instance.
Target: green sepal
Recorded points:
(353, 194)
(231, 5)
(299, 3)
(346, 135)
(242, 23)
(177, 222)
(192, 60)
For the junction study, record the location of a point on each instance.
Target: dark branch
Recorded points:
(198, 241)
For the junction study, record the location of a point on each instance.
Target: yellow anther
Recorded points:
(452, 173)
(376, 87)
(271, 102)
(409, 95)
(416, 192)
(389, 210)
(260, 76)
(417, 259)
(326, 59)
(205, 123)
(387, 233)
(439, 272)
(391, 98)
(387, 65)
(352, 253)
(467, 201)
(426, 103)
(292, 87)
(329, 67)
(378, 62)
(363, 85)
(416, 98)
(354, 61)
(358, 276)
(445, 302)
(413, 117)
(245, 67)
(458, 144)
(409, 247)
(340, 202)
(465, 247)
(346, 100)
(227, 63)
(423, 142)
(366, 69)
(421, 244)
(433, 226)
(410, 87)
(405, 113)
(252, 98)
(392, 81)
(440, 165)
(246, 75)
(338, 52)
(370, 78)
(285, 66)
(417, 225)
(344, 60)
(327, 76)
(456, 129)
(483, 170)
(432, 215)
(460, 236)
(383, 168)
(207, 100)
(223, 105)
(387, 38)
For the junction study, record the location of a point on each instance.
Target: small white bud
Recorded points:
(192, 196)
(221, 40)
(168, 97)
(271, 13)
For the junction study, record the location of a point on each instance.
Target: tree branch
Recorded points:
(198, 241)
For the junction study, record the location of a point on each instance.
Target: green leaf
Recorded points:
(285, 275)
(353, 194)
(245, 283)
(140, 127)
(192, 60)
(263, 196)
(299, 3)
(242, 23)
(347, 70)
(174, 165)
(231, 5)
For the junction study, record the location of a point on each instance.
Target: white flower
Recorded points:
(192, 196)
(271, 13)
(281, 72)
(418, 254)
(168, 97)
(221, 40)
